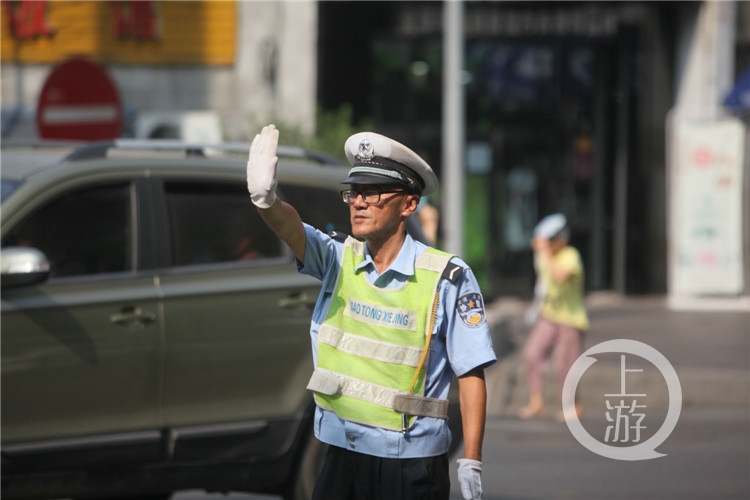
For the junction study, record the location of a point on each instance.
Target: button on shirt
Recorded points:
(458, 346)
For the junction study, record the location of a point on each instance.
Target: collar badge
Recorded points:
(366, 150)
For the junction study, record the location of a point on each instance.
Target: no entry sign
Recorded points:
(79, 102)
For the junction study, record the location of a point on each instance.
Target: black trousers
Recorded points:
(351, 475)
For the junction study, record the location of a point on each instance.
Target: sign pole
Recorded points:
(452, 210)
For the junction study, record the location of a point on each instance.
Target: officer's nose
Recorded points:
(359, 201)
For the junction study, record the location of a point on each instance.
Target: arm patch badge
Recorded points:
(470, 308)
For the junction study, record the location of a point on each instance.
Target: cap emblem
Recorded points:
(366, 150)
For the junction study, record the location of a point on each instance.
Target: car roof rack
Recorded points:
(39, 144)
(101, 149)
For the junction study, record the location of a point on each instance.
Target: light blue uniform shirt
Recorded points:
(461, 343)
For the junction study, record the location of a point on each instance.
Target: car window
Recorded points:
(84, 232)
(7, 187)
(212, 222)
(321, 208)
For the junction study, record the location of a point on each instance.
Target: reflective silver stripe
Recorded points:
(357, 246)
(421, 406)
(374, 314)
(359, 389)
(368, 348)
(379, 395)
(323, 384)
(432, 262)
(377, 171)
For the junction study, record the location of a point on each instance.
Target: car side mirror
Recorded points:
(22, 266)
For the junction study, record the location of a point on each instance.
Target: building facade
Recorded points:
(570, 106)
(567, 107)
(246, 62)
(565, 103)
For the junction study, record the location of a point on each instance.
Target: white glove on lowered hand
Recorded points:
(470, 478)
(261, 167)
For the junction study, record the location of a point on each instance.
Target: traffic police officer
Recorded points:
(394, 320)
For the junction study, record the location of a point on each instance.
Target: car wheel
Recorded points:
(310, 466)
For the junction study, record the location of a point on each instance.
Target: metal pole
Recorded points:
(452, 210)
(602, 146)
(620, 233)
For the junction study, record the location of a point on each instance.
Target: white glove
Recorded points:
(470, 478)
(261, 167)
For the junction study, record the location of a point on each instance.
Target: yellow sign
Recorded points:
(124, 32)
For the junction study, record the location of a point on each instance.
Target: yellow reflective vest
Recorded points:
(372, 341)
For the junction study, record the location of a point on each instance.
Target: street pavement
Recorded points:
(707, 456)
(709, 350)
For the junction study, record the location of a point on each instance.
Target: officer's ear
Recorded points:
(411, 201)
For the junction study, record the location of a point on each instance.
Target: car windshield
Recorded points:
(7, 187)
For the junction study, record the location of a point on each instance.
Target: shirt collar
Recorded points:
(404, 262)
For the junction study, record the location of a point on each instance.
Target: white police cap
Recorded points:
(376, 159)
(550, 226)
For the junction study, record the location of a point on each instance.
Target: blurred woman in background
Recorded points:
(562, 320)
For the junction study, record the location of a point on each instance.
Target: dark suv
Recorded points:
(154, 330)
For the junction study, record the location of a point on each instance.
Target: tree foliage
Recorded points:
(332, 128)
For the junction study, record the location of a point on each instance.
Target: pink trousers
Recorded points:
(563, 342)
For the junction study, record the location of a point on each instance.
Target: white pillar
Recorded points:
(705, 158)
(709, 70)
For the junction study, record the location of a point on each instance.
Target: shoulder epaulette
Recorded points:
(338, 236)
(453, 272)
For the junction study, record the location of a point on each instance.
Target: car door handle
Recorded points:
(297, 301)
(133, 317)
